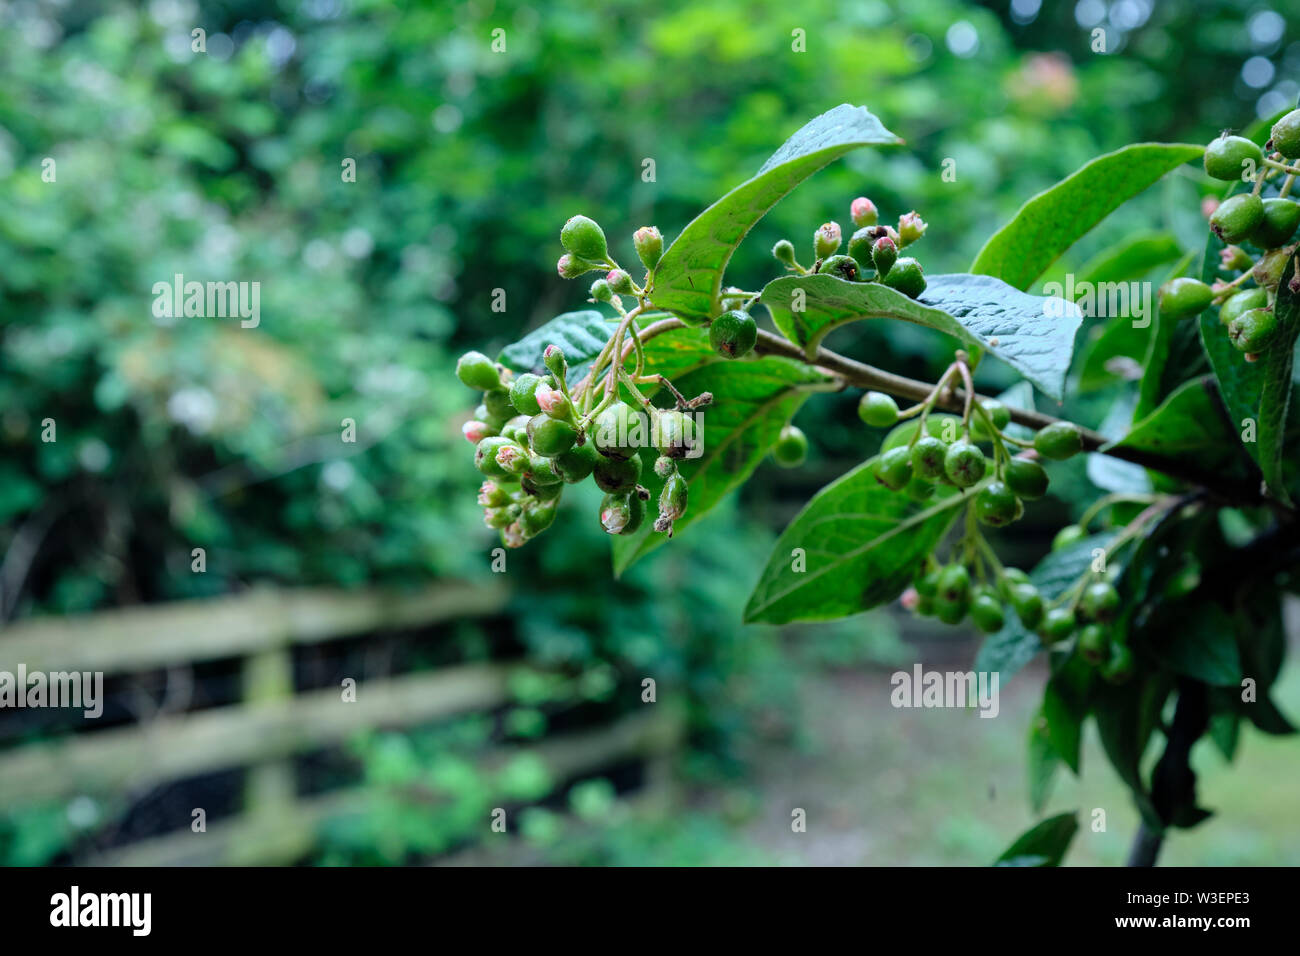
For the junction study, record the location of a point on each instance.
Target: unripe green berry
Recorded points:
(843, 267)
(537, 517)
(791, 447)
(516, 429)
(954, 584)
(550, 436)
(919, 489)
(477, 371)
(1234, 259)
(649, 245)
(601, 292)
(502, 516)
(1094, 643)
(521, 393)
(576, 464)
(1009, 579)
(1285, 137)
(1253, 330)
(1059, 441)
(863, 212)
(911, 227)
(622, 513)
(1121, 665)
(859, 247)
(494, 422)
(1267, 272)
(1058, 624)
(582, 237)
(826, 240)
(1070, 535)
(665, 467)
(926, 580)
(1240, 302)
(1028, 479)
(878, 409)
(884, 253)
(1281, 217)
(617, 474)
(553, 402)
(674, 433)
(1229, 157)
(514, 459)
(485, 455)
(542, 471)
(1028, 604)
(999, 413)
(964, 464)
(570, 266)
(1237, 217)
(499, 405)
(493, 494)
(619, 431)
(928, 456)
(733, 334)
(619, 281)
(894, 469)
(907, 277)
(555, 362)
(995, 505)
(673, 498)
(1183, 296)
(986, 613)
(952, 612)
(783, 252)
(1100, 602)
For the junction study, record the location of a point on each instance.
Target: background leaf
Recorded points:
(861, 542)
(974, 309)
(1052, 221)
(581, 334)
(689, 276)
(1042, 845)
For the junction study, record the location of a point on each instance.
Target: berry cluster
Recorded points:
(1264, 225)
(872, 250)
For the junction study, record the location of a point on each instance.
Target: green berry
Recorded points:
(995, 505)
(1058, 624)
(928, 457)
(1182, 297)
(907, 277)
(555, 362)
(1100, 602)
(859, 247)
(501, 517)
(1286, 135)
(1267, 272)
(894, 468)
(1069, 535)
(1094, 643)
(863, 212)
(550, 436)
(952, 612)
(1028, 604)
(964, 464)
(926, 579)
(665, 467)
(570, 266)
(577, 463)
(999, 413)
(843, 267)
(617, 474)
(537, 517)
(733, 334)
(791, 447)
(516, 429)
(986, 612)
(649, 245)
(622, 512)
(826, 239)
(477, 371)
(493, 422)
(582, 237)
(542, 472)
(1028, 479)
(514, 459)
(919, 489)
(911, 227)
(783, 252)
(1059, 441)
(499, 405)
(925, 606)
(1119, 668)
(1281, 217)
(1237, 217)
(1226, 158)
(954, 584)
(485, 455)
(878, 409)
(1240, 302)
(493, 494)
(672, 503)
(619, 431)
(521, 393)
(619, 281)
(674, 433)
(884, 253)
(1253, 330)
(600, 291)
(1010, 578)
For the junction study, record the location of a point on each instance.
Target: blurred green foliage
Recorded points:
(226, 165)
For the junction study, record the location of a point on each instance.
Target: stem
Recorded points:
(1146, 846)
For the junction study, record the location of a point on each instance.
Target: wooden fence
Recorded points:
(272, 722)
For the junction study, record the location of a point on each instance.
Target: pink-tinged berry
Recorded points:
(864, 212)
(911, 227)
(570, 266)
(884, 253)
(827, 239)
(513, 459)
(552, 401)
(1234, 259)
(619, 281)
(475, 431)
(910, 599)
(555, 361)
(512, 536)
(649, 245)
(1208, 205)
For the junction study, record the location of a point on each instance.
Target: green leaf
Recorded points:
(860, 543)
(1014, 646)
(1065, 705)
(689, 276)
(1055, 219)
(1132, 259)
(1042, 763)
(1197, 640)
(581, 334)
(1190, 429)
(1114, 474)
(1126, 715)
(753, 400)
(1031, 336)
(1044, 844)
